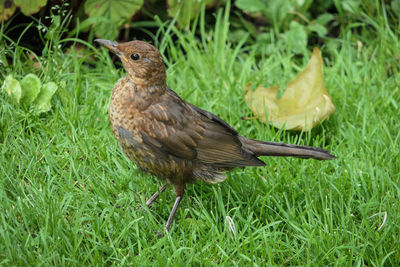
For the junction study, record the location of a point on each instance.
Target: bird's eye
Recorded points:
(135, 56)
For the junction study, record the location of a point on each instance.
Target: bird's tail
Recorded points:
(263, 148)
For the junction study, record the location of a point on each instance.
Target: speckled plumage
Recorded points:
(172, 139)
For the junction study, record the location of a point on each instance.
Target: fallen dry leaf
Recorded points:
(305, 103)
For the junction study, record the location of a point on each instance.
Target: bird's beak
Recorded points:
(110, 45)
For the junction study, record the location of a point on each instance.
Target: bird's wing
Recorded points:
(220, 144)
(191, 133)
(170, 130)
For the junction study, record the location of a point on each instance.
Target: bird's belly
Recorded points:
(143, 157)
(165, 167)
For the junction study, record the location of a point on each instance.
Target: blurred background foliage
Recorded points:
(294, 24)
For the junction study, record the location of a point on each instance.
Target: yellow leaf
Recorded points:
(305, 103)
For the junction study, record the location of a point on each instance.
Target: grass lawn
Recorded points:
(68, 196)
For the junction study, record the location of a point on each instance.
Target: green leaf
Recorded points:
(113, 14)
(43, 100)
(319, 29)
(302, 5)
(13, 88)
(351, 6)
(29, 7)
(251, 6)
(185, 10)
(7, 9)
(277, 12)
(295, 39)
(324, 18)
(30, 86)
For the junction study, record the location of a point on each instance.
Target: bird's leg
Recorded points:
(155, 196)
(179, 191)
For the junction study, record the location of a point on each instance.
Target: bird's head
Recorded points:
(141, 60)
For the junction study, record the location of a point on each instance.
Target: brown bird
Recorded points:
(172, 139)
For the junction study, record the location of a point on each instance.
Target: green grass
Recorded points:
(69, 197)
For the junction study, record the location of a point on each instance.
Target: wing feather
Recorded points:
(196, 134)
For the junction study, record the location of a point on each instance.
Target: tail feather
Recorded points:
(264, 148)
